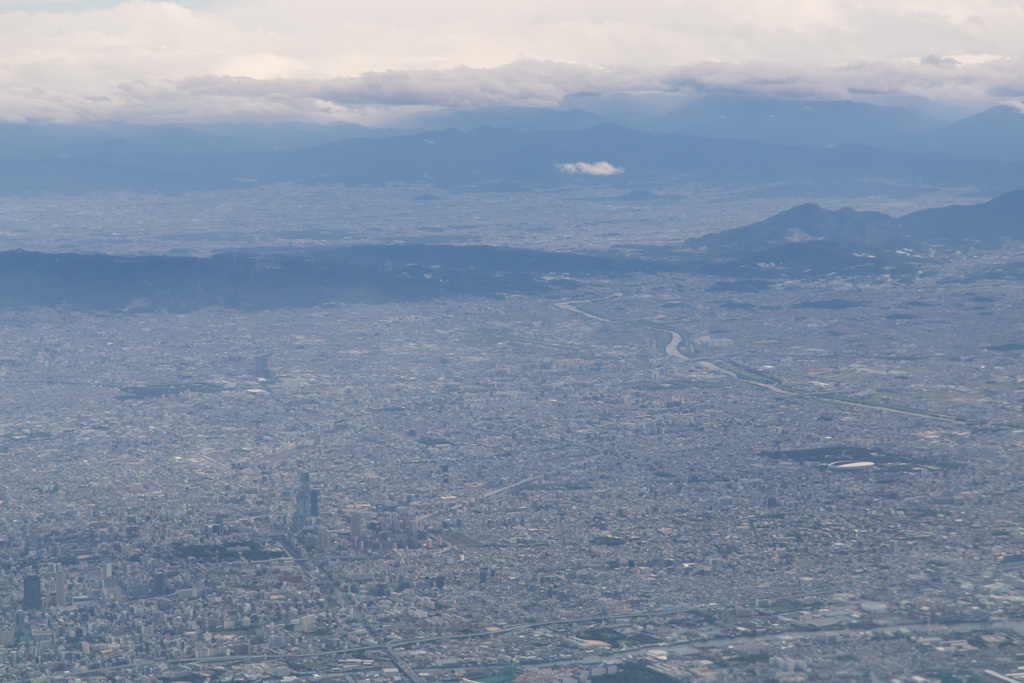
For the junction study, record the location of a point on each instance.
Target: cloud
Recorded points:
(325, 60)
(378, 97)
(532, 83)
(601, 168)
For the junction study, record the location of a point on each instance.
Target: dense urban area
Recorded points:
(646, 478)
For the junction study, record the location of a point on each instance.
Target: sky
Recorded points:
(369, 62)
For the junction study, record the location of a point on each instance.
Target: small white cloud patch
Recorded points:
(600, 168)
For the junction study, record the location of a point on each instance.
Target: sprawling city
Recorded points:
(659, 476)
(548, 341)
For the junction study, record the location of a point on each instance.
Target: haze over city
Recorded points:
(565, 342)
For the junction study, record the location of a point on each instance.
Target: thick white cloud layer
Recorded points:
(330, 59)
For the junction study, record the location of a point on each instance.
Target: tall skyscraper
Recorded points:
(355, 525)
(261, 367)
(61, 583)
(21, 622)
(303, 502)
(33, 592)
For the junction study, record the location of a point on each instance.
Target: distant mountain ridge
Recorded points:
(523, 119)
(45, 141)
(982, 225)
(810, 240)
(812, 123)
(996, 133)
(804, 223)
(502, 159)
